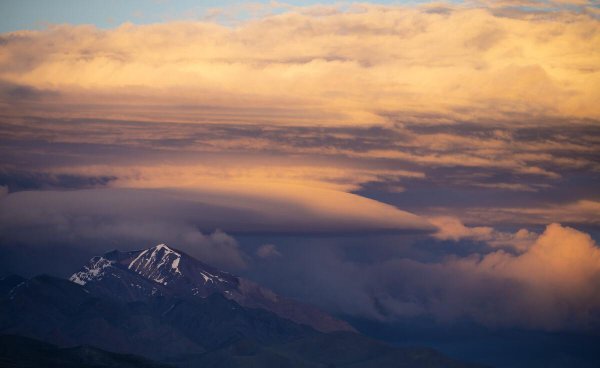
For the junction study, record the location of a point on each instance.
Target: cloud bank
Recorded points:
(178, 214)
(552, 285)
(348, 65)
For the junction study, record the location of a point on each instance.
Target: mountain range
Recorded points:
(162, 305)
(162, 271)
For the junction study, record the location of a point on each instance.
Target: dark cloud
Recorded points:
(17, 93)
(101, 220)
(18, 180)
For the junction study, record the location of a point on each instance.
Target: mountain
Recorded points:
(67, 314)
(337, 349)
(185, 332)
(164, 271)
(22, 352)
(164, 305)
(9, 282)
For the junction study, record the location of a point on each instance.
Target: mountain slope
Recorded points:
(164, 271)
(22, 352)
(337, 349)
(8, 283)
(65, 313)
(162, 304)
(190, 332)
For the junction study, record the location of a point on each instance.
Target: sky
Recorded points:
(37, 14)
(389, 162)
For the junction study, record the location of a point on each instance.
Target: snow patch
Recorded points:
(94, 271)
(175, 265)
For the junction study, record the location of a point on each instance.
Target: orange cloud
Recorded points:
(560, 274)
(227, 172)
(551, 285)
(451, 228)
(357, 66)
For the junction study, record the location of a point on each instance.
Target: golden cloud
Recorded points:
(560, 273)
(552, 284)
(357, 66)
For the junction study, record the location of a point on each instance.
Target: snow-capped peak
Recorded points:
(163, 271)
(159, 264)
(164, 246)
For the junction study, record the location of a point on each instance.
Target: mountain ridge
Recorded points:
(165, 271)
(211, 331)
(65, 313)
(23, 352)
(206, 332)
(180, 329)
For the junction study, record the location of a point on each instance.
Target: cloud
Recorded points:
(552, 285)
(584, 211)
(451, 228)
(326, 176)
(101, 220)
(268, 251)
(15, 180)
(196, 220)
(147, 214)
(527, 159)
(556, 282)
(217, 248)
(505, 175)
(351, 98)
(357, 65)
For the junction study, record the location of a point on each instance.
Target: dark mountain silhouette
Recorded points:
(62, 312)
(23, 352)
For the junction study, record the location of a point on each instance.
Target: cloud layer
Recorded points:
(355, 65)
(551, 285)
(145, 214)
